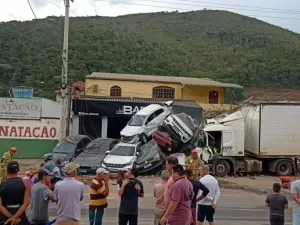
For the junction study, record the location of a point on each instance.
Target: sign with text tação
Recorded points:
(18, 108)
(30, 129)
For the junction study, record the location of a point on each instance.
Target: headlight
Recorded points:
(157, 156)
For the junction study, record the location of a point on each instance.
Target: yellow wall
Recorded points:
(144, 90)
(201, 94)
(129, 88)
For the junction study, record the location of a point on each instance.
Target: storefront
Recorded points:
(106, 117)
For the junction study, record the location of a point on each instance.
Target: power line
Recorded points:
(244, 6)
(229, 8)
(173, 8)
(31, 9)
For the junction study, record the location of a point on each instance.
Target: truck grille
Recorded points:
(181, 127)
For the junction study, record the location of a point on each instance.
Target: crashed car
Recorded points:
(69, 148)
(145, 122)
(121, 157)
(92, 156)
(149, 159)
(180, 127)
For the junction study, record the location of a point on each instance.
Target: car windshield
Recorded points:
(92, 148)
(137, 120)
(123, 150)
(64, 147)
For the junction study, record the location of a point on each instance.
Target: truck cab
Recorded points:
(224, 139)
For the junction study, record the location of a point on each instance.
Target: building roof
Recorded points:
(189, 81)
(176, 102)
(272, 94)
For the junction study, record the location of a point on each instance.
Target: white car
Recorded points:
(121, 157)
(175, 126)
(145, 122)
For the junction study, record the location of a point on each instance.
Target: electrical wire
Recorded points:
(173, 8)
(243, 6)
(230, 8)
(31, 9)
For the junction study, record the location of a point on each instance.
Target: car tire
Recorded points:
(143, 138)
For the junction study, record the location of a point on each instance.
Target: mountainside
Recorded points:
(220, 45)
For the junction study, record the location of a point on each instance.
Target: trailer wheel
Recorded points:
(284, 168)
(222, 168)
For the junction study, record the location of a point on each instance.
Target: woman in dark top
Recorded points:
(14, 197)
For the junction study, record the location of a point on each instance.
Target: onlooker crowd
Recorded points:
(181, 197)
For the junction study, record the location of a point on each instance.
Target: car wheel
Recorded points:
(143, 138)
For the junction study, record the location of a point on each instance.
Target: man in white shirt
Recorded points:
(207, 206)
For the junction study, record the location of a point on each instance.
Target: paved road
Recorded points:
(234, 208)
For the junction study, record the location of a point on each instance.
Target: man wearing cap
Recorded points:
(99, 190)
(7, 157)
(193, 162)
(39, 199)
(69, 193)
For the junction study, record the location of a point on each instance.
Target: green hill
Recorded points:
(217, 44)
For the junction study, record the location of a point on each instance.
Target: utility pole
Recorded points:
(64, 75)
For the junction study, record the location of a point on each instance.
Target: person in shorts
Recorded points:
(207, 206)
(277, 203)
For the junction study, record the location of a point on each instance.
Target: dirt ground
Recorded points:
(257, 184)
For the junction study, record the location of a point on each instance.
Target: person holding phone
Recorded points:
(130, 190)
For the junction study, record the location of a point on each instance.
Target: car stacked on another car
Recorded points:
(145, 122)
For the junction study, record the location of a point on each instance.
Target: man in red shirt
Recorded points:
(179, 199)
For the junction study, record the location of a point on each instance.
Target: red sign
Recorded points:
(28, 132)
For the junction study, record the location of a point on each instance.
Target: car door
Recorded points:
(153, 121)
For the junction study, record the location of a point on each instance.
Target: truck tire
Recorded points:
(284, 168)
(222, 168)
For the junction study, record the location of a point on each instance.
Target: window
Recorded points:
(115, 91)
(163, 92)
(213, 97)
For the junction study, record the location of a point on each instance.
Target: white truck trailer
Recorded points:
(257, 138)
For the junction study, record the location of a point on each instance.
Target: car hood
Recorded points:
(89, 160)
(130, 130)
(117, 159)
(62, 156)
(148, 155)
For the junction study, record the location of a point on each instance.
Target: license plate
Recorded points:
(147, 166)
(83, 171)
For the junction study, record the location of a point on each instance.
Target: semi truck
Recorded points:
(260, 137)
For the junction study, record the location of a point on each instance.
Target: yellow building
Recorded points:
(209, 94)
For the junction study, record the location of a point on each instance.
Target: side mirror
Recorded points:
(107, 152)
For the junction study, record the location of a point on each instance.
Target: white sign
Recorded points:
(129, 110)
(18, 108)
(30, 129)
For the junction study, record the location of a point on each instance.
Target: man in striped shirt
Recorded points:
(99, 189)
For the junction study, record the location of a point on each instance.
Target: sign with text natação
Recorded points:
(18, 108)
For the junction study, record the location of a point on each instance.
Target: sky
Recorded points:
(285, 14)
